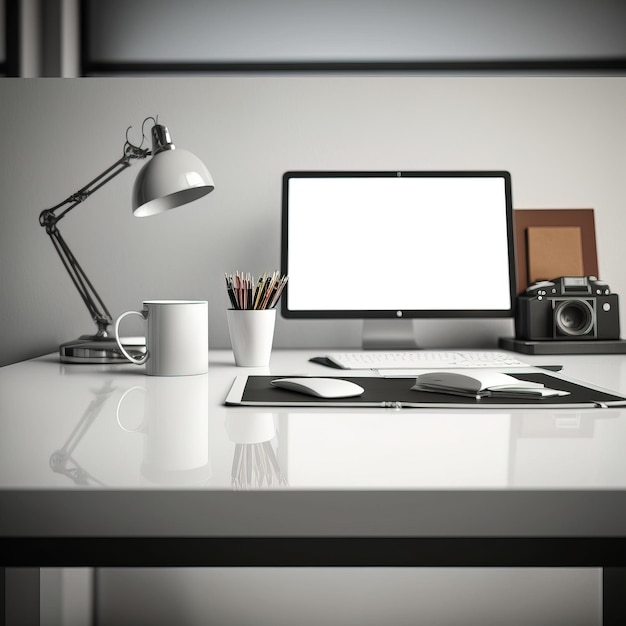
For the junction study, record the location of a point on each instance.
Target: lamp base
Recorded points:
(99, 350)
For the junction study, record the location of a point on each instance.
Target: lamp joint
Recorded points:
(48, 220)
(161, 139)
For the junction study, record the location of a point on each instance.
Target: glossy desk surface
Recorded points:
(105, 452)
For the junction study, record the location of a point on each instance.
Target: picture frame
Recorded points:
(582, 258)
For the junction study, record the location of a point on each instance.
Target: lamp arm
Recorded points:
(96, 307)
(49, 218)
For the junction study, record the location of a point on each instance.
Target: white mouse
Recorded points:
(320, 387)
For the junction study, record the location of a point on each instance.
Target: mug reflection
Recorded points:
(175, 429)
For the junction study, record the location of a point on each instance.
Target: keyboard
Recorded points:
(423, 359)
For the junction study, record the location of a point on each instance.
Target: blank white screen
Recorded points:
(398, 244)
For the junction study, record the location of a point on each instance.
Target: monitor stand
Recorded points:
(388, 334)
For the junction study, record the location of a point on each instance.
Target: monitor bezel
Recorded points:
(396, 314)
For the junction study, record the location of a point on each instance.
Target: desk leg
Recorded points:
(614, 596)
(20, 602)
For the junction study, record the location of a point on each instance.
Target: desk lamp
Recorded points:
(171, 178)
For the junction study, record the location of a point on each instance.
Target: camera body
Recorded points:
(569, 308)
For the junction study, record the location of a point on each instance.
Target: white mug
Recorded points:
(177, 337)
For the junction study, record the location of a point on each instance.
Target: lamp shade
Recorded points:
(172, 177)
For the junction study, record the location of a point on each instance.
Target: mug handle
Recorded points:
(137, 361)
(119, 406)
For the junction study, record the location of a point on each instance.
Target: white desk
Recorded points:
(101, 465)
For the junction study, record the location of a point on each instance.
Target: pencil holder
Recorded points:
(251, 335)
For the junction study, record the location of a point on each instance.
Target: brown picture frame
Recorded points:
(527, 218)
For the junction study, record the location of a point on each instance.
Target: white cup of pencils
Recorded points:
(252, 316)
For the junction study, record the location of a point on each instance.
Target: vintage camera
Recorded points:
(568, 308)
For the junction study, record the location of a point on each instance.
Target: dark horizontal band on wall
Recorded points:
(616, 65)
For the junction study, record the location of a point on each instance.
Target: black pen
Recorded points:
(231, 294)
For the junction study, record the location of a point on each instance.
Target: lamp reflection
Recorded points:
(255, 465)
(61, 461)
(175, 428)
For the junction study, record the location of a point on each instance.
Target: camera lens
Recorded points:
(573, 317)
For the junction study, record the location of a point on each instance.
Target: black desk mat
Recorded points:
(397, 391)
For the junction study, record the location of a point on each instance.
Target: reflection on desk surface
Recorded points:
(435, 450)
(120, 429)
(255, 463)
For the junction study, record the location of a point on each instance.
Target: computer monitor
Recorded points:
(397, 245)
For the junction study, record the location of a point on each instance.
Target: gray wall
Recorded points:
(562, 138)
